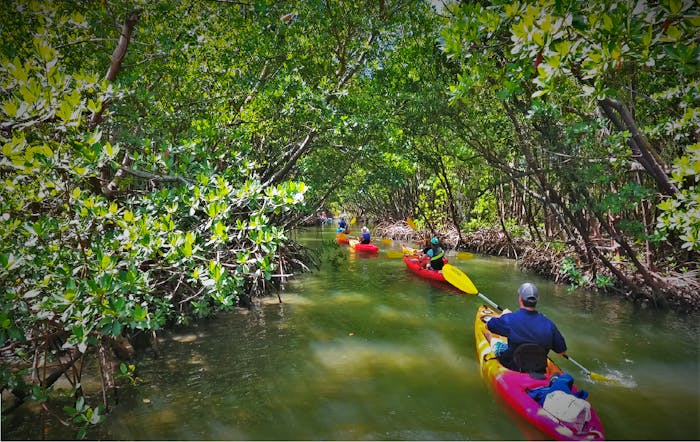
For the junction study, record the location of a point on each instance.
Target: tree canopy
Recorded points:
(155, 155)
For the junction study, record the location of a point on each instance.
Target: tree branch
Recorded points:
(116, 62)
(640, 145)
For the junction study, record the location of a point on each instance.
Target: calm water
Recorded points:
(362, 349)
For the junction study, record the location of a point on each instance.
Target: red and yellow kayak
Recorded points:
(342, 238)
(359, 247)
(417, 266)
(512, 387)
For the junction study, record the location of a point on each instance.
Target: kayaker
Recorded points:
(343, 225)
(366, 237)
(526, 326)
(435, 253)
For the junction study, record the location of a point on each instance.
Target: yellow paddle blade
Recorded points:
(394, 254)
(589, 373)
(409, 251)
(387, 241)
(457, 278)
(600, 377)
(465, 255)
(410, 223)
(353, 220)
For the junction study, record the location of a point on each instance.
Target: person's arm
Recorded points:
(558, 341)
(499, 326)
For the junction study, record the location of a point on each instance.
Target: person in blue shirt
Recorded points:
(342, 225)
(366, 237)
(435, 253)
(525, 326)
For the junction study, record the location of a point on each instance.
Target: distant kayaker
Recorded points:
(526, 326)
(343, 225)
(366, 237)
(435, 253)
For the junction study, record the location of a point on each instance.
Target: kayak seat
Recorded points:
(532, 359)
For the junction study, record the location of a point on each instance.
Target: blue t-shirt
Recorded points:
(366, 238)
(526, 326)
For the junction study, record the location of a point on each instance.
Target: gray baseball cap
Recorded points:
(528, 292)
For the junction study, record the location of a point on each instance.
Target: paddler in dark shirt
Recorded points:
(525, 326)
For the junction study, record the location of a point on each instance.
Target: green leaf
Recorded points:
(95, 137)
(45, 51)
(675, 6)
(105, 262)
(140, 313)
(10, 108)
(674, 34)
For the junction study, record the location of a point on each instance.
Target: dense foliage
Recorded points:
(162, 190)
(156, 154)
(598, 100)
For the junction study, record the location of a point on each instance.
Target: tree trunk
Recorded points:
(643, 152)
(450, 196)
(106, 372)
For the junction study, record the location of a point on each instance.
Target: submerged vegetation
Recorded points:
(155, 155)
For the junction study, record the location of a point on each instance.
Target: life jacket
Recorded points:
(365, 238)
(437, 257)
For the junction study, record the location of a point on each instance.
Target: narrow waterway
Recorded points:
(365, 350)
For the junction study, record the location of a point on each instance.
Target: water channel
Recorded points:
(364, 350)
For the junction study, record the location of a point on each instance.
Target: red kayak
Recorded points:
(417, 266)
(359, 247)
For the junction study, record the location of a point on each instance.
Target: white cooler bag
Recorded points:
(568, 408)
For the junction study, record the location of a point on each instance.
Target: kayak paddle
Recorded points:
(590, 374)
(409, 250)
(394, 254)
(410, 223)
(457, 278)
(405, 251)
(353, 220)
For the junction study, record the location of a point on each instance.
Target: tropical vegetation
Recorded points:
(156, 155)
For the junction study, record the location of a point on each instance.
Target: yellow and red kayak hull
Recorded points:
(512, 386)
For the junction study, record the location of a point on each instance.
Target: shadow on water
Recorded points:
(362, 349)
